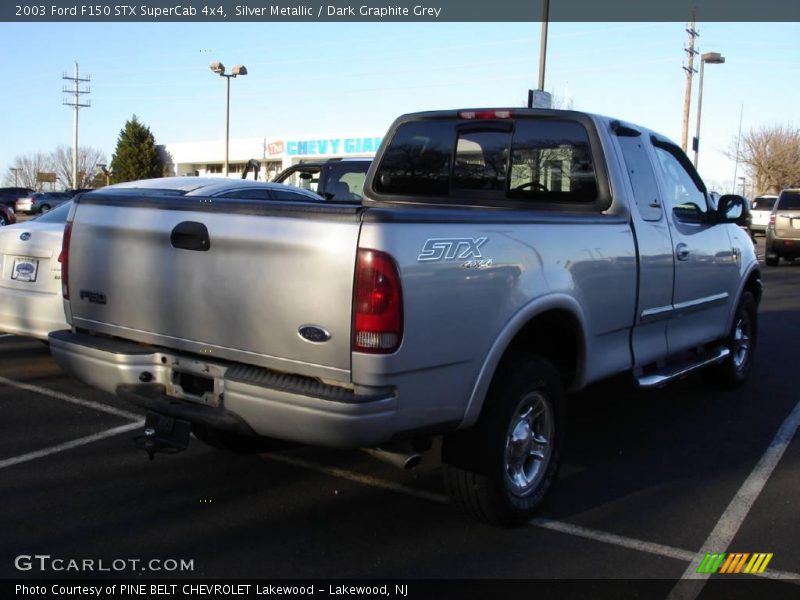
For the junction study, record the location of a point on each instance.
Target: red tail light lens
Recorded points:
(772, 221)
(377, 304)
(63, 258)
(484, 114)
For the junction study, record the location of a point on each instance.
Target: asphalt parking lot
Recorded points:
(651, 481)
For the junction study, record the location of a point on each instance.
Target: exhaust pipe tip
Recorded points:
(405, 461)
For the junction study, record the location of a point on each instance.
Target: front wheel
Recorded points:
(500, 471)
(741, 341)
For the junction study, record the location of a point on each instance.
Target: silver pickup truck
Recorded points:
(500, 259)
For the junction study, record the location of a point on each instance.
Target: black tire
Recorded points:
(44, 208)
(486, 474)
(772, 261)
(236, 442)
(734, 370)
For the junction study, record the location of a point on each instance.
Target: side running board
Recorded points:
(677, 371)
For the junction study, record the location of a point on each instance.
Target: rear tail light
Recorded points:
(484, 114)
(772, 221)
(377, 304)
(63, 258)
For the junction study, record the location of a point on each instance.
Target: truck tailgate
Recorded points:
(269, 270)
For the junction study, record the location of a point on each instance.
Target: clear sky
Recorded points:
(309, 78)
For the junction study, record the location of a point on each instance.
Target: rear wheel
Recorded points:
(772, 260)
(236, 442)
(3, 220)
(501, 470)
(44, 208)
(734, 370)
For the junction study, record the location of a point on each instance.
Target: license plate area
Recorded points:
(25, 269)
(196, 381)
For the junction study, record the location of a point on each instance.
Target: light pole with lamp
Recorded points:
(218, 68)
(16, 171)
(714, 58)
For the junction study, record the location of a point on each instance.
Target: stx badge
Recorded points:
(451, 249)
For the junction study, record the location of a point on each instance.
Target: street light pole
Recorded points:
(218, 68)
(16, 175)
(715, 58)
(543, 43)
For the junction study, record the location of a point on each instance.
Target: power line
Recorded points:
(75, 102)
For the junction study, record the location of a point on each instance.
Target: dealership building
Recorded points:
(206, 159)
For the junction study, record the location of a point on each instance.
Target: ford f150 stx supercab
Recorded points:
(499, 260)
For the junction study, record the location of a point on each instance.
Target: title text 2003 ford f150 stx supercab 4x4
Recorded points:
(500, 259)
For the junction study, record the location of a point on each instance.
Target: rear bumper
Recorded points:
(246, 398)
(31, 313)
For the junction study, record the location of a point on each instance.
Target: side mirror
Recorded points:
(731, 209)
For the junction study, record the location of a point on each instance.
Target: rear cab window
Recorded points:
(534, 161)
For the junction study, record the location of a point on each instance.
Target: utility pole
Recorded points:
(738, 140)
(76, 104)
(690, 71)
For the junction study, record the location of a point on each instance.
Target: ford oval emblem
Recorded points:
(25, 236)
(312, 333)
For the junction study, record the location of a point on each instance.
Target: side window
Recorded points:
(643, 178)
(290, 195)
(307, 179)
(551, 161)
(248, 194)
(481, 160)
(682, 194)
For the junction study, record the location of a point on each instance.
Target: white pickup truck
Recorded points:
(500, 259)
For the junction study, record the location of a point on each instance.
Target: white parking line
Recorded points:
(10, 462)
(552, 525)
(72, 399)
(692, 583)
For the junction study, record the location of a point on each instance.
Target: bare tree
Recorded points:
(88, 159)
(26, 169)
(771, 157)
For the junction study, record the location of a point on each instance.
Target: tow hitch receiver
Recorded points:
(163, 434)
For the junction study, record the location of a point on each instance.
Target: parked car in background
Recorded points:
(336, 180)
(760, 211)
(41, 202)
(30, 286)
(783, 229)
(10, 195)
(7, 216)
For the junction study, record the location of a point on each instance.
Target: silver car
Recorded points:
(783, 230)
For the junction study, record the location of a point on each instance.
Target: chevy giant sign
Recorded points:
(359, 145)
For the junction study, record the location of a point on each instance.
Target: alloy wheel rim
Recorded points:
(741, 342)
(528, 444)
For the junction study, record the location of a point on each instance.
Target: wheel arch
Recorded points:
(538, 328)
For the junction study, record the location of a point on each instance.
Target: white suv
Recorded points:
(760, 212)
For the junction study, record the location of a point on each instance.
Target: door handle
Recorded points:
(682, 251)
(190, 235)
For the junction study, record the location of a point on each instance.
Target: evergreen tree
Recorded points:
(135, 156)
